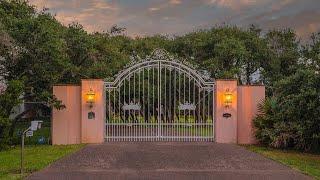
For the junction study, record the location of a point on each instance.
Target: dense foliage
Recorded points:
(37, 51)
(291, 117)
(8, 100)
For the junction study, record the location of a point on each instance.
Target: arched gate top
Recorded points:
(157, 57)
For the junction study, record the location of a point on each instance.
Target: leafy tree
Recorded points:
(284, 57)
(8, 100)
(116, 30)
(311, 53)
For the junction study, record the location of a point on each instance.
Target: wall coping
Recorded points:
(66, 85)
(245, 85)
(92, 79)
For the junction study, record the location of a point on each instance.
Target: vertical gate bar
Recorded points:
(143, 99)
(108, 119)
(153, 98)
(114, 107)
(165, 94)
(119, 120)
(159, 100)
(174, 103)
(194, 112)
(134, 111)
(137, 120)
(213, 109)
(169, 107)
(129, 111)
(124, 112)
(184, 101)
(109, 102)
(199, 111)
(113, 115)
(118, 116)
(208, 118)
(127, 118)
(112, 111)
(129, 101)
(179, 92)
(148, 89)
(189, 128)
(208, 98)
(204, 113)
(163, 127)
(189, 97)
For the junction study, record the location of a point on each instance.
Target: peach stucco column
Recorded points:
(248, 99)
(225, 127)
(65, 128)
(93, 130)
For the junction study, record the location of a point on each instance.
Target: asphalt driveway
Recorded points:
(166, 160)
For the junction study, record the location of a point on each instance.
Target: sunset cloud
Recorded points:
(175, 2)
(154, 9)
(234, 4)
(147, 17)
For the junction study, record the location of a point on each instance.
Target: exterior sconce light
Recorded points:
(90, 96)
(228, 98)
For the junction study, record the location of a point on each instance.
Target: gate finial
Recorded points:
(160, 54)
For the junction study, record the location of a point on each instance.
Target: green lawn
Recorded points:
(36, 158)
(306, 163)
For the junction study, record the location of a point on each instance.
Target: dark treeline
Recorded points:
(37, 51)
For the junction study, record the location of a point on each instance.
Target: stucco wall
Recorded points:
(248, 99)
(72, 125)
(65, 127)
(225, 128)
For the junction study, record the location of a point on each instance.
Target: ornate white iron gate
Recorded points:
(159, 99)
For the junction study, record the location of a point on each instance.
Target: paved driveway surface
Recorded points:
(164, 160)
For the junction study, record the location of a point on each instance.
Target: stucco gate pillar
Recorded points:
(233, 120)
(225, 127)
(93, 128)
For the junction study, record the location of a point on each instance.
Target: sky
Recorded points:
(176, 17)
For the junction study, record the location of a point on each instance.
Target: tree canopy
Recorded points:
(37, 51)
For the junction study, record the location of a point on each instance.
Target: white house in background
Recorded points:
(17, 110)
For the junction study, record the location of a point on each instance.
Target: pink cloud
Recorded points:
(175, 2)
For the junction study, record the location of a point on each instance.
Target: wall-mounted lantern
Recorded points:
(228, 97)
(90, 97)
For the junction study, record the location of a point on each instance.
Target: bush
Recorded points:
(4, 132)
(290, 119)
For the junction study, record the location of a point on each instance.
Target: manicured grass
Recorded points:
(36, 158)
(304, 162)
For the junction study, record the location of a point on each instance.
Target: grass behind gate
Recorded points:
(36, 158)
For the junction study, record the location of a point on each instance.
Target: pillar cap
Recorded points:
(226, 79)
